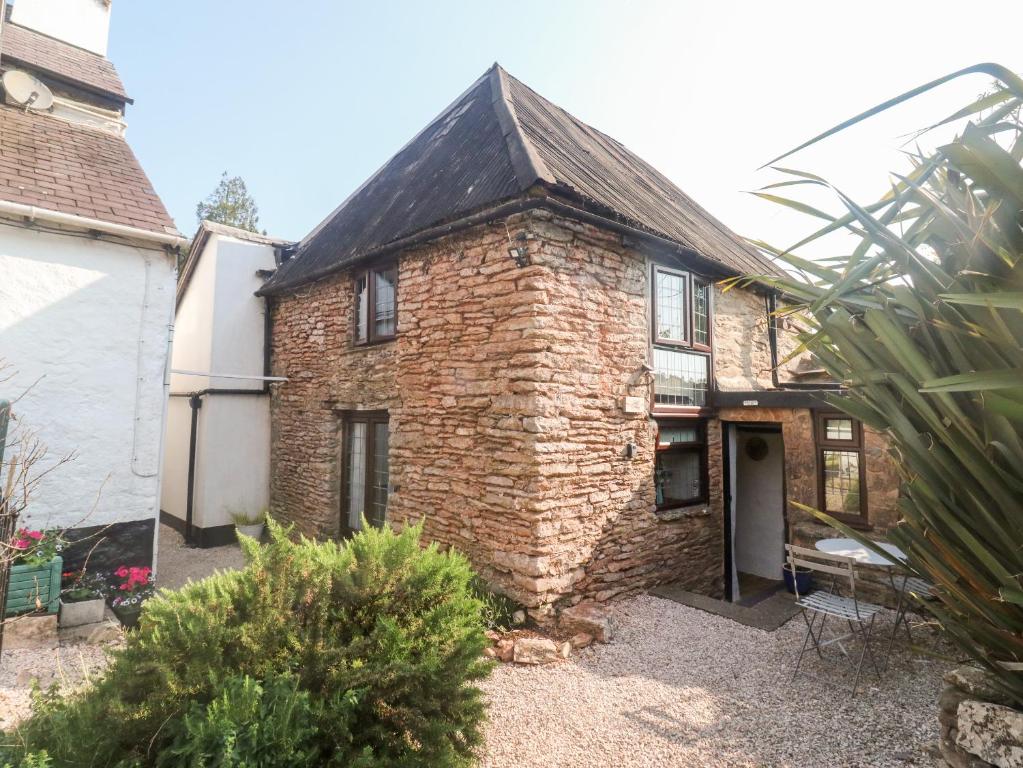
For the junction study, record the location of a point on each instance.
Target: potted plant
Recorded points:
(132, 587)
(248, 524)
(81, 599)
(35, 572)
(803, 579)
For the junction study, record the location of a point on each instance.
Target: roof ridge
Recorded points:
(528, 165)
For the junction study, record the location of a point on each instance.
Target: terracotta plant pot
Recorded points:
(79, 612)
(128, 615)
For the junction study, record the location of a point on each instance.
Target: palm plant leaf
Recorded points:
(923, 323)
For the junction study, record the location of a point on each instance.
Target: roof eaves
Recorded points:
(529, 167)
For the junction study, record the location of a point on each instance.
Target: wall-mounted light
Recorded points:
(521, 255)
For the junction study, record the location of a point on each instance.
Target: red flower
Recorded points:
(122, 571)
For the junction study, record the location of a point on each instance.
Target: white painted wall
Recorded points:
(86, 323)
(220, 329)
(85, 23)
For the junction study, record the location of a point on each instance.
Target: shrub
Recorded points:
(380, 638)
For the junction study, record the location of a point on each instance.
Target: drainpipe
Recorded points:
(195, 401)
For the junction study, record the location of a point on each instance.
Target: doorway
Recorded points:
(755, 545)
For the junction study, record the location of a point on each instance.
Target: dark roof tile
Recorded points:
(498, 140)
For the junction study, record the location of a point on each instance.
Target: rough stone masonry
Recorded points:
(505, 389)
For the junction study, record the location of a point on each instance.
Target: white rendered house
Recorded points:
(87, 281)
(217, 449)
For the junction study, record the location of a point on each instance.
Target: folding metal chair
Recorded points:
(905, 587)
(822, 604)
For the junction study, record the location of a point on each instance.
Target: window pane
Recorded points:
(361, 309)
(384, 288)
(701, 315)
(838, 429)
(356, 474)
(669, 435)
(680, 378)
(670, 303)
(677, 477)
(842, 482)
(378, 512)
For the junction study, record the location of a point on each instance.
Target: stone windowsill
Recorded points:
(682, 513)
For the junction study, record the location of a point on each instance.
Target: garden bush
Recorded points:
(358, 654)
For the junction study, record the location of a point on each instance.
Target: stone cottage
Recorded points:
(515, 332)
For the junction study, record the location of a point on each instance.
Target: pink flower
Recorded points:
(126, 586)
(122, 571)
(22, 544)
(37, 535)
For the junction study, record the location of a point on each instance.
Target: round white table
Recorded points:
(859, 553)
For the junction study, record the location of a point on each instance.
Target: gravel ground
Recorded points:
(68, 666)
(680, 687)
(178, 564)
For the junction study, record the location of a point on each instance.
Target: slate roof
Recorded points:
(54, 164)
(20, 46)
(498, 140)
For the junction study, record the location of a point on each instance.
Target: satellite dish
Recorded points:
(26, 91)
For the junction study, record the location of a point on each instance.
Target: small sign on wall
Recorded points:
(634, 405)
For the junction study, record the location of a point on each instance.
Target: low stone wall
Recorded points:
(978, 728)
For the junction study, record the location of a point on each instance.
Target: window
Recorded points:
(841, 472)
(366, 472)
(670, 300)
(680, 471)
(681, 321)
(376, 306)
(701, 315)
(680, 378)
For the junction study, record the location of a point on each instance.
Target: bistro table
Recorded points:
(861, 554)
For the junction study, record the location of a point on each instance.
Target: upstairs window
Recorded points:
(671, 300)
(376, 305)
(681, 339)
(841, 475)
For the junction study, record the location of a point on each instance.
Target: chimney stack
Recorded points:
(84, 23)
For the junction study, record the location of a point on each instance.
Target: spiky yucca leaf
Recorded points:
(923, 322)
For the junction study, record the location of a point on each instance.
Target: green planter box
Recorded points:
(32, 582)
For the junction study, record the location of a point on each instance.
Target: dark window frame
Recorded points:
(699, 447)
(852, 445)
(370, 419)
(706, 350)
(687, 307)
(369, 275)
(698, 346)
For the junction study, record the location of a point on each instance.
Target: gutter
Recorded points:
(500, 211)
(32, 213)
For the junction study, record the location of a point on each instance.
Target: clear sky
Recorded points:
(306, 99)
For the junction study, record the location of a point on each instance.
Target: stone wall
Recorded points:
(801, 472)
(979, 726)
(506, 389)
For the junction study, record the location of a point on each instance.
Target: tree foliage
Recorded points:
(359, 654)
(923, 322)
(231, 204)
